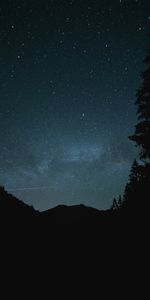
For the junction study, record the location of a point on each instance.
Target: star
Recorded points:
(82, 117)
(67, 20)
(68, 77)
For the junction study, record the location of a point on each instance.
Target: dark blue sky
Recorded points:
(69, 71)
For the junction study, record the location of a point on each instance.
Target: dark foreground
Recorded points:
(70, 245)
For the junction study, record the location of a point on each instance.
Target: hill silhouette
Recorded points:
(67, 240)
(16, 210)
(17, 216)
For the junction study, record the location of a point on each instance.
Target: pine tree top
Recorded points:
(142, 130)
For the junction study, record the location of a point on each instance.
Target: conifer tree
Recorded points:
(137, 190)
(142, 130)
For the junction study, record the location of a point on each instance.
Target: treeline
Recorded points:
(137, 190)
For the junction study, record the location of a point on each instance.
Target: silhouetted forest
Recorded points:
(108, 236)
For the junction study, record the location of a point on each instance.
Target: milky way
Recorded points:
(68, 78)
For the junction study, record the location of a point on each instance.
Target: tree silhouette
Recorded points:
(142, 129)
(117, 203)
(137, 191)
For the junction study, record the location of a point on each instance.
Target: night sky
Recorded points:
(69, 72)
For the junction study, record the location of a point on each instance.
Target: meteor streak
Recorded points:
(30, 188)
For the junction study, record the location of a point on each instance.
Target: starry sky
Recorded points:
(69, 72)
